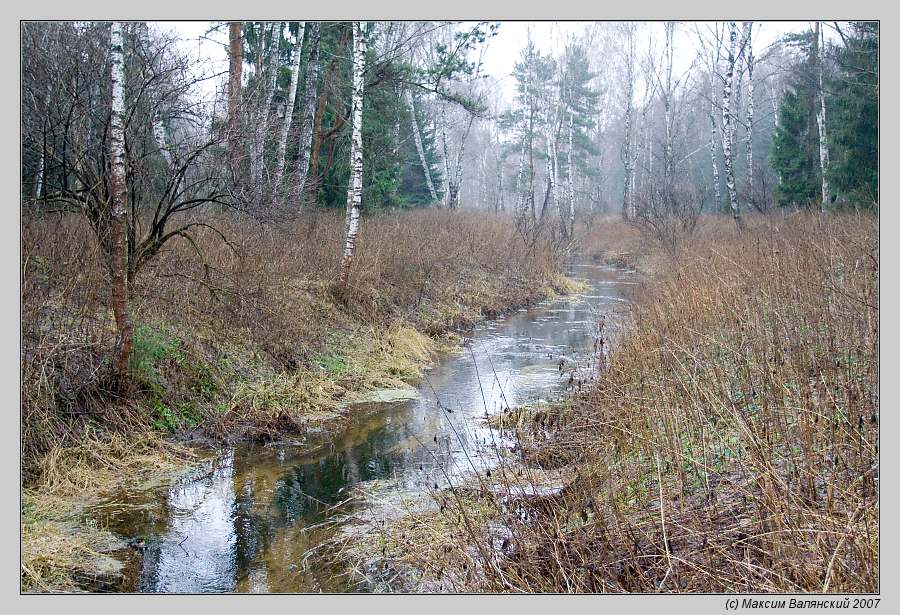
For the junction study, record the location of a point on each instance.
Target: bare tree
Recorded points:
(819, 53)
(308, 105)
(728, 127)
(417, 136)
(296, 48)
(354, 190)
(235, 68)
(628, 150)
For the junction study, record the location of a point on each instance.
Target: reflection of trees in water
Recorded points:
(306, 490)
(253, 525)
(245, 522)
(198, 551)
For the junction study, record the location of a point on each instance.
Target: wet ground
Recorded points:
(260, 518)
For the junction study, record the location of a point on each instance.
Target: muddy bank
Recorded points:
(269, 517)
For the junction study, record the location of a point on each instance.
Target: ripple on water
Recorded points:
(262, 518)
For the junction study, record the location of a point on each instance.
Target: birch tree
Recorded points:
(628, 158)
(159, 129)
(235, 68)
(296, 49)
(417, 136)
(750, 62)
(668, 93)
(713, 58)
(354, 190)
(267, 72)
(118, 228)
(308, 105)
(498, 159)
(819, 52)
(728, 125)
(570, 176)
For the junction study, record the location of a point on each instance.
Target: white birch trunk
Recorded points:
(39, 174)
(159, 130)
(262, 122)
(446, 157)
(499, 161)
(417, 136)
(258, 70)
(551, 180)
(774, 99)
(310, 94)
(717, 192)
(628, 154)
(159, 134)
(570, 179)
(521, 199)
(117, 122)
(519, 210)
(668, 153)
(118, 240)
(728, 127)
(820, 120)
(750, 85)
(289, 107)
(354, 190)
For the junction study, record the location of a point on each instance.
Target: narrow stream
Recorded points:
(255, 519)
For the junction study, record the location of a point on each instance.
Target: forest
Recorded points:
(441, 306)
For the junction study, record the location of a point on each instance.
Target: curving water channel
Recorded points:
(259, 517)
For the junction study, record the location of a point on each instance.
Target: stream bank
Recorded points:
(268, 517)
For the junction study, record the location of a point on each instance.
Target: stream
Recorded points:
(257, 517)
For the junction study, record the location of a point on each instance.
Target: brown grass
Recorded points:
(731, 444)
(249, 340)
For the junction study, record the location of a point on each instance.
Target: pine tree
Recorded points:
(853, 122)
(794, 155)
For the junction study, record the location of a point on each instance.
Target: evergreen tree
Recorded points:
(794, 155)
(414, 189)
(854, 127)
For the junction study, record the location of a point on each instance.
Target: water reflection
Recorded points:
(258, 519)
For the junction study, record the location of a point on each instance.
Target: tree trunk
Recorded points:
(628, 161)
(318, 136)
(820, 117)
(627, 195)
(354, 190)
(39, 174)
(308, 105)
(717, 192)
(269, 71)
(235, 68)
(289, 107)
(552, 166)
(118, 256)
(750, 85)
(728, 128)
(446, 156)
(531, 163)
(159, 129)
(417, 136)
(499, 160)
(519, 212)
(668, 151)
(570, 192)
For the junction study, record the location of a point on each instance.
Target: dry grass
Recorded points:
(247, 341)
(731, 444)
(250, 340)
